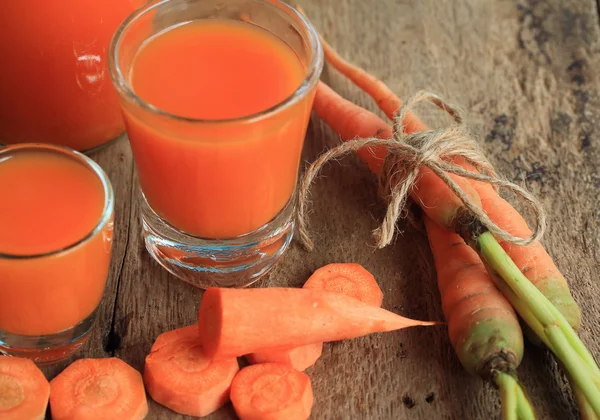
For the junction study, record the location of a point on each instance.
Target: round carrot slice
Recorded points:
(24, 390)
(348, 278)
(92, 389)
(181, 377)
(271, 391)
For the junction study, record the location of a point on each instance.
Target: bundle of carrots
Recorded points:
(476, 312)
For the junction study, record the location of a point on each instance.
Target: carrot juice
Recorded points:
(224, 177)
(216, 97)
(54, 82)
(55, 239)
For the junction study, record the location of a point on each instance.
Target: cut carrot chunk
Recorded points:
(271, 391)
(234, 322)
(24, 390)
(181, 377)
(300, 358)
(348, 278)
(100, 389)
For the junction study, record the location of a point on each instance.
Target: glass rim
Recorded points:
(107, 210)
(310, 80)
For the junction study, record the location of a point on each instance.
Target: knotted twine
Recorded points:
(435, 149)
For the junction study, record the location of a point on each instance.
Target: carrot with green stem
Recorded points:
(483, 328)
(443, 206)
(533, 260)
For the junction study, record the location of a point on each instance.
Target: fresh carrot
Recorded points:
(91, 389)
(180, 376)
(234, 322)
(533, 260)
(271, 391)
(348, 278)
(24, 390)
(481, 323)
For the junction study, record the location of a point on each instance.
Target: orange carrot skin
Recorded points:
(350, 121)
(272, 391)
(482, 326)
(24, 390)
(178, 374)
(98, 389)
(235, 322)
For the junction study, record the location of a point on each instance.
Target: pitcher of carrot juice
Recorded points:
(216, 97)
(54, 83)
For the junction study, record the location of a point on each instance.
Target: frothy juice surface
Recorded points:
(49, 202)
(54, 81)
(218, 178)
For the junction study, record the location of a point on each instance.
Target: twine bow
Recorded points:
(439, 150)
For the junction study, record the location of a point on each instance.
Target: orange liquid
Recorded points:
(217, 179)
(54, 81)
(50, 202)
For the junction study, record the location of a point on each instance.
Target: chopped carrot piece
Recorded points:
(271, 391)
(91, 389)
(300, 358)
(348, 278)
(24, 390)
(235, 322)
(181, 377)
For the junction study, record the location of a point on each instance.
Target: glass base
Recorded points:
(204, 263)
(49, 348)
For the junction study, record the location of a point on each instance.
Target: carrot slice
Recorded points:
(234, 322)
(271, 391)
(348, 278)
(300, 358)
(24, 390)
(100, 389)
(181, 377)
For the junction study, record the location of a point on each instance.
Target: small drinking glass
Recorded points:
(217, 195)
(48, 301)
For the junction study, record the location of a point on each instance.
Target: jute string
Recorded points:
(407, 154)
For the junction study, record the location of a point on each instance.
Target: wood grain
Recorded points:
(526, 74)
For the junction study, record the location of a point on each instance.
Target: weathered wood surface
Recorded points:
(526, 73)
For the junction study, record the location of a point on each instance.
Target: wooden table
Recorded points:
(526, 73)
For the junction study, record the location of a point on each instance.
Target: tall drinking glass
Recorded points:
(217, 151)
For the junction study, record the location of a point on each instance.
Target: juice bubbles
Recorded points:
(229, 163)
(54, 81)
(55, 240)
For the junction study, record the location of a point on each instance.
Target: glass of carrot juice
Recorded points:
(56, 225)
(217, 97)
(54, 82)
